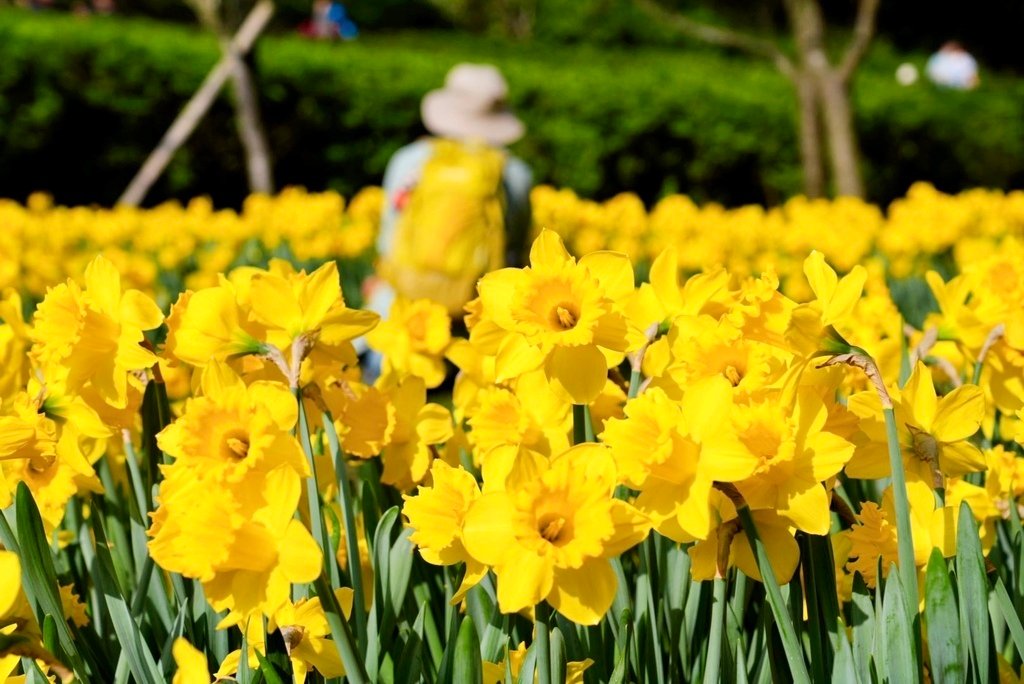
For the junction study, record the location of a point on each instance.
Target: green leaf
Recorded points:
(791, 644)
(558, 659)
(7, 536)
(467, 666)
(400, 559)
(381, 612)
(843, 667)
(863, 622)
(528, 670)
(713, 662)
(340, 632)
(822, 609)
(444, 672)
(351, 531)
(621, 670)
(49, 633)
(270, 672)
(945, 647)
(1005, 605)
(129, 633)
(495, 633)
(38, 577)
(897, 637)
(973, 593)
(410, 664)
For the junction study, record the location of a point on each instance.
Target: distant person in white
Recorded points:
(953, 67)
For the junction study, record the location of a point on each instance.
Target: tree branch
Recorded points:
(863, 32)
(720, 36)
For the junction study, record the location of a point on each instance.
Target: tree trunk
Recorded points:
(842, 137)
(831, 92)
(809, 128)
(250, 129)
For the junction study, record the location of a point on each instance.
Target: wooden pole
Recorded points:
(199, 105)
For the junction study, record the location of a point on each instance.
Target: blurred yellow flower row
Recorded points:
(170, 246)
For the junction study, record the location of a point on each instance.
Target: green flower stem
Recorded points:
(635, 378)
(790, 642)
(542, 642)
(341, 634)
(316, 516)
(351, 532)
(579, 423)
(714, 660)
(7, 536)
(904, 533)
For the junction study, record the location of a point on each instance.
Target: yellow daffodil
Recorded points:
(727, 544)
(793, 454)
(256, 642)
(413, 340)
(364, 416)
(43, 444)
(245, 545)
(303, 625)
(232, 429)
(1004, 480)
(210, 325)
(933, 431)
(701, 347)
(657, 449)
(549, 531)
(72, 607)
(476, 373)
(96, 332)
(235, 439)
(560, 315)
(190, 662)
(420, 427)
(294, 305)
(19, 632)
(813, 325)
(494, 673)
(436, 515)
(14, 345)
(530, 414)
(663, 298)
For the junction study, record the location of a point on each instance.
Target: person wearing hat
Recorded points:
(469, 112)
(470, 107)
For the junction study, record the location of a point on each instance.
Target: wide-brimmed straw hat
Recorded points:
(471, 105)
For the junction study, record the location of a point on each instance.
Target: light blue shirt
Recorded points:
(953, 70)
(403, 172)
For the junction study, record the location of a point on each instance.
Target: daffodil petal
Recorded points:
(918, 397)
(524, 581)
(959, 414)
(959, 458)
(631, 528)
(820, 276)
(783, 551)
(487, 529)
(579, 371)
(584, 594)
(434, 424)
(613, 271)
(548, 253)
(846, 294)
(515, 357)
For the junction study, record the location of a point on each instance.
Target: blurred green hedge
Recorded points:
(83, 100)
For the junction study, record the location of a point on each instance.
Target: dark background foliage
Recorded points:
(83, 100)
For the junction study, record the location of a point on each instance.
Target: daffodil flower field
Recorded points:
(681, 444)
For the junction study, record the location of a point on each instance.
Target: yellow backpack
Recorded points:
(452, 229)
